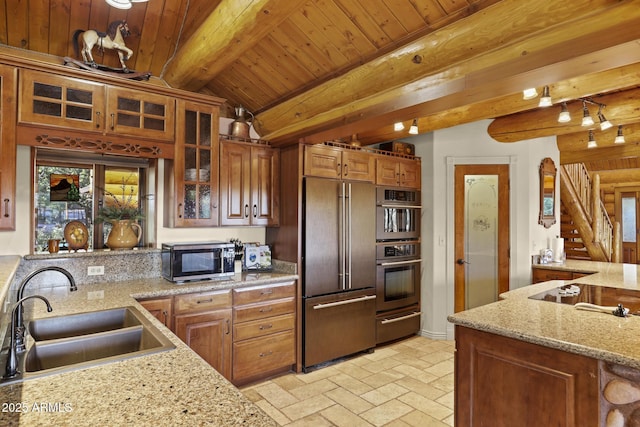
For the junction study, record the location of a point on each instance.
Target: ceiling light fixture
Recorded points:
(620, 137)
(604, 123)
(413, 130)
(123, 4)
(592, 141)
(529, 93)
(545, 99)
(398, 126)
(587, 120)
(564, 116)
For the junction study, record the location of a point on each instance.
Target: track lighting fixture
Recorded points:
(587, 120)
(529, 93)
(398, 126)
(604, 123)
(545, 99)
(592, 141)
(620, 137)
(413, 130)
(564, 116)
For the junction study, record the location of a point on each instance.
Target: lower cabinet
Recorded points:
(203, 321)
(263, 331)
(501, 381)
(546, 274)
(161, 308)
(246, 334)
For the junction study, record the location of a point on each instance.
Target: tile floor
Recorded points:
(408, 383)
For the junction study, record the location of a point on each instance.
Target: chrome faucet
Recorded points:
(12, 359)
(20, 328)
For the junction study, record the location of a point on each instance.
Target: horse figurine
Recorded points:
(113, 39)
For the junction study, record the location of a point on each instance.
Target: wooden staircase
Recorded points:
(585, 225)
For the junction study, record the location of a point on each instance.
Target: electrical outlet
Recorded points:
(95, 295)
(95, 270)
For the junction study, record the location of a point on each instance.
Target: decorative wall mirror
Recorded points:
(547, 193)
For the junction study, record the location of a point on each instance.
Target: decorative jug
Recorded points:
(240, 127)
(122, 234)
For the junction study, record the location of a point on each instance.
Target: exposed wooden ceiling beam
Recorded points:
(225, 35)
(578, 141)
(394, 87)
(607, 153)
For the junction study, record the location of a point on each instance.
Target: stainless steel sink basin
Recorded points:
(76, 341)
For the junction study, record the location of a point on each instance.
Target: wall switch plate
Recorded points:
(95, 270)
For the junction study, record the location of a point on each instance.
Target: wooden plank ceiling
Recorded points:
(315, 70)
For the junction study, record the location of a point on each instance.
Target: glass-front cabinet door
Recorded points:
(196, 165)
(148, 115)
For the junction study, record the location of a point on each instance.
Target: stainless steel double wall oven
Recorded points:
(399, 264)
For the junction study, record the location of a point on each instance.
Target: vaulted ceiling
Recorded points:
(316, 70)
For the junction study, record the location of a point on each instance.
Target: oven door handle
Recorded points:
(399, 319)
(402, 206)
(411, 261)
(343, 302)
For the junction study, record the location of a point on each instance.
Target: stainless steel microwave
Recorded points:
(183, 262)
(397, 214)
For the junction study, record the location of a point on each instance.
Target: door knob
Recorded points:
(460, 261)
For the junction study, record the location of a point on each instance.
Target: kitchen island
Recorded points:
(173, 388)
(524, 351)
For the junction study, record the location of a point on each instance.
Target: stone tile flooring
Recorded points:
(408, 383)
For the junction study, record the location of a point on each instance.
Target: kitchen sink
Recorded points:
(76, 341)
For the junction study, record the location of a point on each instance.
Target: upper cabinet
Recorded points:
(335, 162)
(59, 101)
(249, 184)
(191, 180)
(398, 172)
(8, 81)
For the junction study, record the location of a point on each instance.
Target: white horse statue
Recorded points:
(113, 39)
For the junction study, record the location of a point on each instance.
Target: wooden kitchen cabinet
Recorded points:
(339, 163)
(203, 321)
(191, 179)
(398, 172)
(249, 184)
(65, 102)
(161, 309)
(505, 382)
(263, 331)
(546, 274)
(8, 91)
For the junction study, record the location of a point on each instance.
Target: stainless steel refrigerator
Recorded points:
(339, 269)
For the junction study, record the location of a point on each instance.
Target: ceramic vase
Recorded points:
(124, 234)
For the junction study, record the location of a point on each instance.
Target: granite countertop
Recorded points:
(598, 335)
(173, 388)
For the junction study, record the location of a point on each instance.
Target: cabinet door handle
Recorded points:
(263, 327)
(345, 170)
(98, 119)
(255, 211)
(113, 121)
(266, 309)
(268, 353)
(180, 212)
(228, 327)
(246, 211)
(202, 301)
(267, 292)
(165, 313)
(339, 169)
(6, 208)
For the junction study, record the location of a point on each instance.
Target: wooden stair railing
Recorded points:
(581, 199)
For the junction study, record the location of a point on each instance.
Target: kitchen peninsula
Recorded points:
(174, 387)
(538, 362)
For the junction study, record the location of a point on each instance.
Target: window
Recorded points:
(75, 186)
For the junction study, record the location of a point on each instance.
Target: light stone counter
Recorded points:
(598, 335)
(172, 388)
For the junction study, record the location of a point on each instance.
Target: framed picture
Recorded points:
(64, 187)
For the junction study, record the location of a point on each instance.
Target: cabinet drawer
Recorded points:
(543, 275)
(202, 301)
(259, 355)
(262, 327)
(255, 294)
(260, 311)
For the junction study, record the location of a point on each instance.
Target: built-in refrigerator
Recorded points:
(338, 269)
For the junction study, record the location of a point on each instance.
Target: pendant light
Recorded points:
(564, 116)
(529, 93)
(592, 141)
(545, 99)
(620, 137)
(587, 120)
(398, 126)
(413, 130)
(604, 123)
